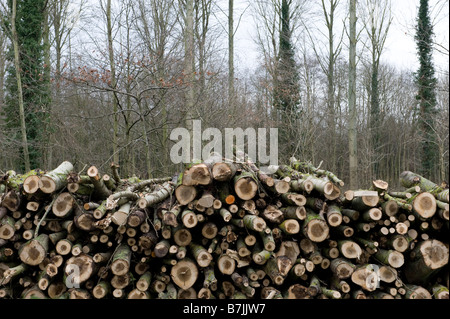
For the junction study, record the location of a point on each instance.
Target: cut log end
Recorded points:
(31, 184)
(370, 200)
(226, 264)
(417, 292)
(396, 259)
(282, 187)
(375, 214)
(185, 194)
(400, 244)
(93, 172)
(334, 193)
(32, 253)
(246, 188)
(120, 267)
(47, 185)
(197, 175)
(351, 250)
(317, 230)
(425, 205)
(7, 231)
(184, 274)
(182, 237)
(334, 220)
(80, 267)
(291, 226)
(380, 184)
(435, 253)
(391, 208)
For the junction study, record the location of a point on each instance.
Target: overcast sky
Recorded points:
(400, 47)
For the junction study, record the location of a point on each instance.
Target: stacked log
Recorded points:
(224, 230)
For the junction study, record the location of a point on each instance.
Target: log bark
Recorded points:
(201, 255)
(121, 260)
(315, 227)
(342, 268)
(293, 199)
(55, 179)
(334, 215)
(390, 257)
(416, 292)
(294, 212)
(157, 196)
(254, 223)
(426, 259)
(409, 179)
(101, 191)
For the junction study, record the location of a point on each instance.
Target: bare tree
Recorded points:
(352, 123)
(327, 62)
(187, 12)
(377, 19)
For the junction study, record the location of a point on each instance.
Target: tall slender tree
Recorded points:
(189, 60)
(28, 37)
(231, 54)
(286, 81)
(426, 95)
(352, 124)
(109, 31)
(378, 21)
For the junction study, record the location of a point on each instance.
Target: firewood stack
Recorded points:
(223, 230)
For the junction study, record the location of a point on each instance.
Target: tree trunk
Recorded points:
(231, 92)
(352, 130)
(109, 29)
(17, 67)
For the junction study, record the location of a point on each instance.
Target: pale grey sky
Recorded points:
(400, 47)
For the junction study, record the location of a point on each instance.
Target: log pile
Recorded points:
(223, 230)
